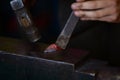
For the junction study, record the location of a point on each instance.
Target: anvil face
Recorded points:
(34, 68)
(36, 50)
(28, 60)
(20, 60)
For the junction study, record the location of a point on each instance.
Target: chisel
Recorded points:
(64, 37)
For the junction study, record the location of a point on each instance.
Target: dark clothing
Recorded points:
(100, 38)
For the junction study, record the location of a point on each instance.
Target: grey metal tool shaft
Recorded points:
(25, 21)
(66, 33)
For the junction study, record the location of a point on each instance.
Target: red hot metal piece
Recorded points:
(52, 48)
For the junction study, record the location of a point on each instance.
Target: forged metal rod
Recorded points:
(65, 35)
(25, 21)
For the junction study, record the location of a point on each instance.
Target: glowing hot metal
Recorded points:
(65, 35)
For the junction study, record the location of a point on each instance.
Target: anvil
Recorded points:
(20, 60)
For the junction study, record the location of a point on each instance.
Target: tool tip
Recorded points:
(52, 48)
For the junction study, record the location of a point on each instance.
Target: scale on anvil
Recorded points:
(26, 61)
